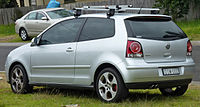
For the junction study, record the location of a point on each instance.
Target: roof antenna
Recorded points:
(141, 7)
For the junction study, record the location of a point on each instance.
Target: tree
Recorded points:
(12, 3)
(8, 3)
(196, 3)
(175, 8)
(3, 3)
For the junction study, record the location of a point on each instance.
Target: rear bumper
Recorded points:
(158, 84)
(17, 29)
(150, 73)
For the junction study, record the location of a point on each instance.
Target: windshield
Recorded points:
(56, 14)
(154, 29)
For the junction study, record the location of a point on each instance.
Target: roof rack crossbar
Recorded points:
(117, 8)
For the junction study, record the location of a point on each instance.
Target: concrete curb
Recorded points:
(12, 44)
(195, 43)
(195, 83)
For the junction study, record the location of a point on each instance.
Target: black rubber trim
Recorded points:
(65, 86)
(158, 84)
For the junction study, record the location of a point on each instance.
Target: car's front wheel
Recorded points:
(23, 34)
(19, 80)
(174, 91)
(110, 86)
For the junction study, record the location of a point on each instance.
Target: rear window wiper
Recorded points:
(173, 34)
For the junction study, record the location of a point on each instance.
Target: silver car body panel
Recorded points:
(55, 63)
(46, 66)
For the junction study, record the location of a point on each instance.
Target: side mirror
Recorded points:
(45, 18)
(35, 41)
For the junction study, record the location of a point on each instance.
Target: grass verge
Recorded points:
(7, 34)
(191, 28)
(50, 97)
(6, 30)
(11, 38)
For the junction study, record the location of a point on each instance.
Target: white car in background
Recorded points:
(36, 21)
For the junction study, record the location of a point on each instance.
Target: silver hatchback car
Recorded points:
(109, 53)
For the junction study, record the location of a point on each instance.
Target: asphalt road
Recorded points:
(4, 51)
(196, 57)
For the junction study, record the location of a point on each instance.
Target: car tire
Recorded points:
(175, 91)
(19, 80)
(109, 86)
(23, 34)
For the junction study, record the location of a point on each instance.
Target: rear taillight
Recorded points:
(134, 49)
(189, 48)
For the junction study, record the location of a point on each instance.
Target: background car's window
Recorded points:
(39, 16)
(59, 13)
(63, 32)
(31, 16)
(97, 28)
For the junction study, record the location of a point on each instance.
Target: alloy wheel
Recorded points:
(17, 80)
(107, 86)
(23, 35)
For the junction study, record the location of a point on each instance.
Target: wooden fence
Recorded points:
(9, 15)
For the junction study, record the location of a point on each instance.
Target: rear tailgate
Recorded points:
(161, 39)
(164, 51)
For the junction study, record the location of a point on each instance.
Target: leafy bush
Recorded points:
(176, 8)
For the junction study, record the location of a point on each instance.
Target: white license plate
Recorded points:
(170, 71)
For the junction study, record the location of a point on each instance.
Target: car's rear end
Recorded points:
(158, 53)
(17, 25)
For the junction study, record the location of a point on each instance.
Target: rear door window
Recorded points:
(40, 15)
(31, 16)
(153, 28)
(61, 13)
(97, 28)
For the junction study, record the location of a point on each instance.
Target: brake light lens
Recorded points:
(134, 50)
(189, 48)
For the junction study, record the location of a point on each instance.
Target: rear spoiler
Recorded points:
(150, 18)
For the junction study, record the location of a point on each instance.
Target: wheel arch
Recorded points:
(22, 28)
(11, 67)
(105, 65)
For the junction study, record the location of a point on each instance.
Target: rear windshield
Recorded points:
(153, 28)
(56, 14)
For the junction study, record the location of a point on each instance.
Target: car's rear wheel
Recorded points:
(110, 86)
(23, 34)
(174, 91)
(19, 80)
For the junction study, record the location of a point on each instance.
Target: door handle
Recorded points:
(69, 49)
